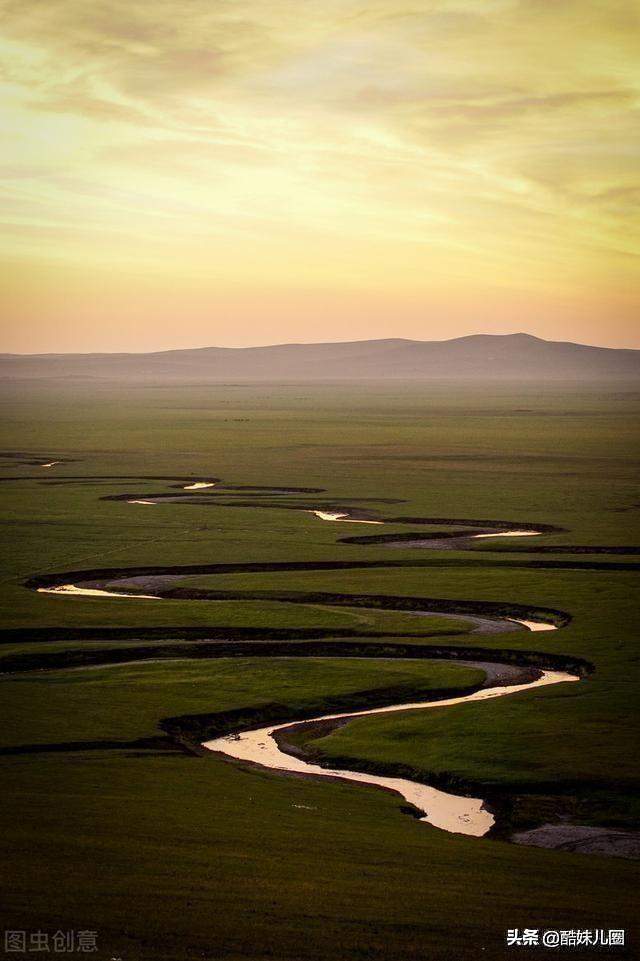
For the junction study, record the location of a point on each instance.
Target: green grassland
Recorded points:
(180, 857)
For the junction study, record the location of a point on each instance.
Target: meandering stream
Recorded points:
(450, 812)
(266, 746)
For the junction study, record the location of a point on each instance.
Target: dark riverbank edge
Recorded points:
(61, 660)
(184, 733)
(521, 810)
(527, 813)
(504, 803)
(513, 808)
(158, 580)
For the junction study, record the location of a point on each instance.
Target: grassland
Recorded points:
(180, 857)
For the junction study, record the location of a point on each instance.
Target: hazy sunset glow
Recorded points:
(259, 171)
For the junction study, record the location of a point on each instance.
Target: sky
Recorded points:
(236, 172)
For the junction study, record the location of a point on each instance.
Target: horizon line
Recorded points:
(304, 343)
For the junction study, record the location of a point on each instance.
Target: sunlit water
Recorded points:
(336, 516)
(92, 592)
(530, 625)
(534, 625)
(73, 589)
(450, 812)
(509, 534)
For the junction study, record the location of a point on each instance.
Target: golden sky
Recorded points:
(235, 172)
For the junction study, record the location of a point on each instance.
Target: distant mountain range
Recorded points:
(475, 358)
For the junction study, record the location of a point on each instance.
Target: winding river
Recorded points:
(266, 746)
(450, 812)
(102, 587)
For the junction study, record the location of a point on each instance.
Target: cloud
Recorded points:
(464, 138)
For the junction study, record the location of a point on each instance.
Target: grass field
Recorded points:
(107, 826)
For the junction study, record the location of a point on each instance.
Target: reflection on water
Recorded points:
(450, 812)
(336, 516)
(509, 534)
(198, 485)
(91, 592)
(534, 625)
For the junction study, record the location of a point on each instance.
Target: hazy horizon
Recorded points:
(311, 343)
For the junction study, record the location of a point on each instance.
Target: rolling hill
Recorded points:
(477, 357)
